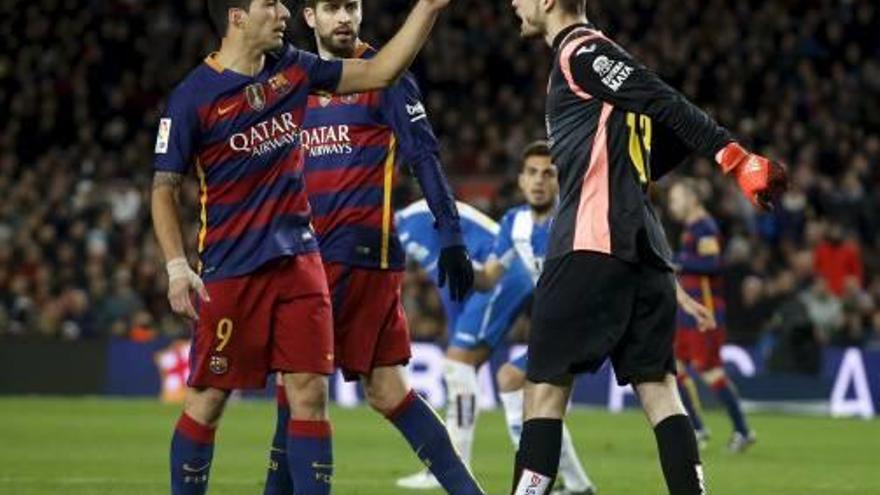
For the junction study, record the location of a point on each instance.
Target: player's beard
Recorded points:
(542, 208)
(341, 49)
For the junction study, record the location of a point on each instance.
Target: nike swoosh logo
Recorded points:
(224, 110)
(318, 465)
(586, 49)
(188, 469)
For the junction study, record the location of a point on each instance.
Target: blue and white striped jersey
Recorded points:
(421, 242)
(520, 237)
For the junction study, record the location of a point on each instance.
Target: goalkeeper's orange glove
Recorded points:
(762, 180)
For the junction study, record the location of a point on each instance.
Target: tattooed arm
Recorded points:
(166, 223)
(165, 205)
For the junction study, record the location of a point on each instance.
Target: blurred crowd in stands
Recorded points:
(81, 88)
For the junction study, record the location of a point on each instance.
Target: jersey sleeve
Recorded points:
(404, 111)
(503, 250)
(595, 67)
(322, 75)
(177, 135)
(705, 257)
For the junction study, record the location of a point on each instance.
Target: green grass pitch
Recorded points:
(97, 446)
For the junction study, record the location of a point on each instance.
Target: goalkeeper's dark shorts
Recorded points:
(590, 307)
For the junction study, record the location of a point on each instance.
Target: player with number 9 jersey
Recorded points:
(257, 252)
(263, 303)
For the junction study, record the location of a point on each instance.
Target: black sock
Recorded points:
(679, 456)
(538, 453)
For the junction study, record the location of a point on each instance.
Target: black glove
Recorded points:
(455, 263)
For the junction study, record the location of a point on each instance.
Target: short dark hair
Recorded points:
(536, 148)
(578, 7)
(218, 12)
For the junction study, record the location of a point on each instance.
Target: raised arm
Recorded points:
(595, 67)
(396, 56)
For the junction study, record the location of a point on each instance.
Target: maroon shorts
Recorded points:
(275, 319)
(370, 326)
(700, 350)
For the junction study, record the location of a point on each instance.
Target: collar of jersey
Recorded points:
(362, 48)
(560, 37)
(212, 62)
(215, 65)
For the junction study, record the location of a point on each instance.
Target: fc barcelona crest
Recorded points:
(325, 98)
(279, 84)
(218, 365)
(256, 96)
(350, 99)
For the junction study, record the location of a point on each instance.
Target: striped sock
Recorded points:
(278, 480)
(728, 396)
(310, 456)
(429, 439)
(192, 450)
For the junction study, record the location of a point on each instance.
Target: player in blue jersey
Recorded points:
(415, 228)
(353, 147)
(507, 280)
(700, 268)
(262, 302)
(478, 315)
(422, 245)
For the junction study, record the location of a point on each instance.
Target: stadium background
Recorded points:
(82, 83)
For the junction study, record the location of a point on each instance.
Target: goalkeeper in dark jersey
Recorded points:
(607, 290)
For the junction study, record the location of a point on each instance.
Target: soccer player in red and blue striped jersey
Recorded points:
(700, 275)
(262, 301)
(353, 147)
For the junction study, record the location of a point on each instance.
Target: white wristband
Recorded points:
(178, 268)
